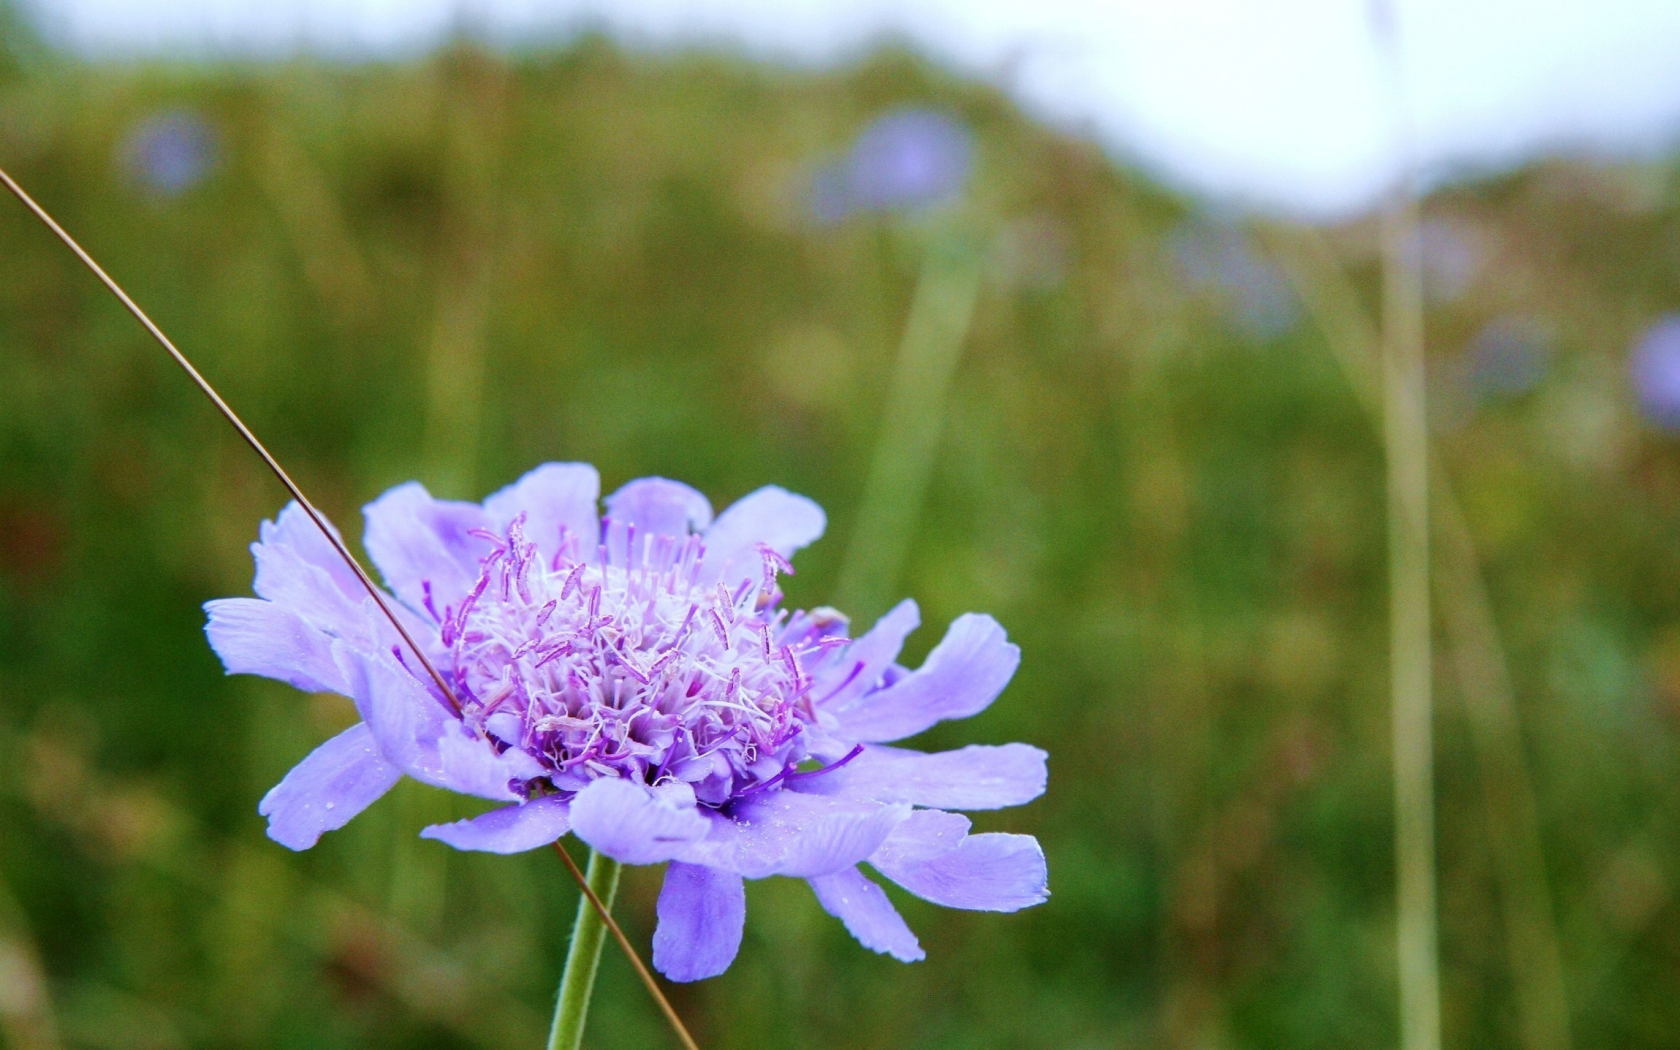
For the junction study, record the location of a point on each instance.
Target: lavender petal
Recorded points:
(661, 507)
(702, 912)
(793, 833)
(630, 824)
(551, 496)
(300, 576)
(926, 835)
(867, 913)
(414, 538)
(961, 676)
(510, 829)
(292, 528)
(258, 637)
(771, 515)
(419, 736)
(333, 783)
(990, 872)
(840, 685)
(974, 777)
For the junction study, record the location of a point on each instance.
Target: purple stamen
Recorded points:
(572, 581)
(831, 767)
(857, 669)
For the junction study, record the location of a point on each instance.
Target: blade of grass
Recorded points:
(1405, 429)
(1406, 441)
(1533, 944)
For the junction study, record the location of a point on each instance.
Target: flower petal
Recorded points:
(471, 764)
(990, 872)
(420, 737)
(293, 528)
(551, 496)
(404, 718)
(961, 677)
(929, 833)
(511, 829)
(839, 685)
(258, 637)
(869, 916)
(630, 824)
(298, 570)
(661, 507)
(772, 516)
(702, 912)
(414, 538)
(793, 833)
(332, 784)
(974, 777)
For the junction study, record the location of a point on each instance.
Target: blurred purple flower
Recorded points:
(633, 680)
(1509, 357)
(171, 152)
(1655, 368)
(1217, 259)
(907, 160)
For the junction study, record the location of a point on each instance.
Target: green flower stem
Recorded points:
(911, 425)
(583, 958)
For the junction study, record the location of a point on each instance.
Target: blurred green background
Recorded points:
(1153, 466)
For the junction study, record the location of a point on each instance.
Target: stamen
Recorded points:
(572, 581)
(831, 767)
(857, 669)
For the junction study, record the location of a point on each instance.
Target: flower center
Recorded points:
(618, 662)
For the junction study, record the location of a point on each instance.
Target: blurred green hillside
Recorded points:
(1154, 469)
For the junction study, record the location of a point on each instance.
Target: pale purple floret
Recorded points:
(633, 679)
(907, 160)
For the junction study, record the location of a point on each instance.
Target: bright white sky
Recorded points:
(1273, 102)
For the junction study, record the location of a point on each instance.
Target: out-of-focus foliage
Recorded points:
(456, 268)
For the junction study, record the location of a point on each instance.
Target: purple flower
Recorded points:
(907, 160)
(1656, 372)
(1219, 260)
(632, 679)
(171, 152)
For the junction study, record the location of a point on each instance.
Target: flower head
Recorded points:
(1655, 368)
(171, 152)
(907, 160)
(633, 679)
